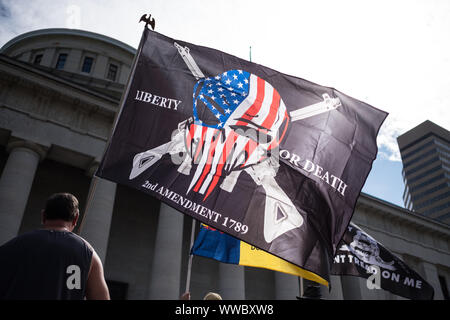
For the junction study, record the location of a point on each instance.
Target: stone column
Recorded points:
(336, 289)
(311, 289)
(166, 264)
(431, 276)
(286, 286)
(98, 214)
(351, 289)
(231, 281)
(15, 185)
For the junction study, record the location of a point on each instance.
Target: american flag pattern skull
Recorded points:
(238, 118)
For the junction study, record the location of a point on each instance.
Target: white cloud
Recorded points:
(394, 55)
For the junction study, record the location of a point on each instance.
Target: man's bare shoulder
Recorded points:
(85, 241)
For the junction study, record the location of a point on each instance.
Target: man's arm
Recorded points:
(96, 284)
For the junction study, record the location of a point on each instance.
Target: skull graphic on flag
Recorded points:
(238, 119)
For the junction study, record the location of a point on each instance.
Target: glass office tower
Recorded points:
(425, 152)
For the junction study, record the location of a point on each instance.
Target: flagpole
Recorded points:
(189, 268)
(148, 21)
(300, 280)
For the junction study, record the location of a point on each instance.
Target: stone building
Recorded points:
(59, 94)
(425, 152)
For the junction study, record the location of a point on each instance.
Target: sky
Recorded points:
(393, 55)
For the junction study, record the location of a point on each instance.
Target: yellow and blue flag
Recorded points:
(214, 244)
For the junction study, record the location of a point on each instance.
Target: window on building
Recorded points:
(422, 165)
(415, 188)
(61, 61)
(37, 59)
(419, 149)
(425, 174)
(87, 64)
(112, 72)
(428, 191)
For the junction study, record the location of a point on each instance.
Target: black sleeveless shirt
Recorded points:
(45, 264)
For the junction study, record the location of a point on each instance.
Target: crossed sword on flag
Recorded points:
(281, 215)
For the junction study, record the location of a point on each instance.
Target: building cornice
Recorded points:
(76, 91)
(404, 216)
(68, 32)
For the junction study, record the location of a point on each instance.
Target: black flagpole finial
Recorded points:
(148, 21)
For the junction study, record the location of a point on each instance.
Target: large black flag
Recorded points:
(271, 159)
(361, 255)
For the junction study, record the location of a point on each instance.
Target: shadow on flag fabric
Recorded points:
(271, 159)
(211, 243)
(361, 255)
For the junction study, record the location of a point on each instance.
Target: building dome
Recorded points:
(90, 59)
